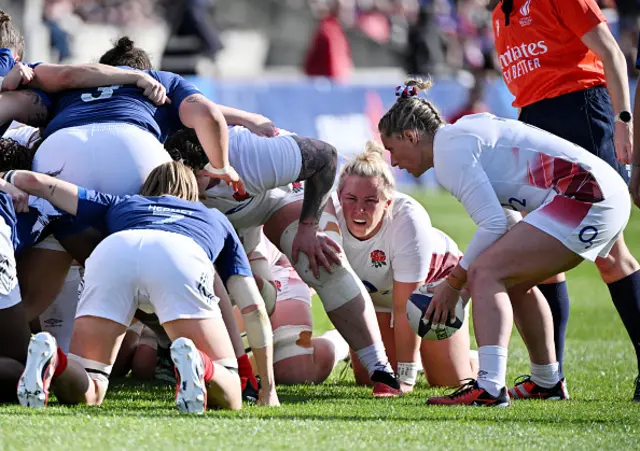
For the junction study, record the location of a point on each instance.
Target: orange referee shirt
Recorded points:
(541, 54)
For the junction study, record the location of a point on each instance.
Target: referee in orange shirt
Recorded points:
(569, 77)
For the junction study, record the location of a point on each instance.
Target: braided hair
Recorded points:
(411, 112)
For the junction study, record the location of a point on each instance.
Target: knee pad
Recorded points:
(334, 289)
(97, 371)
(291, 341)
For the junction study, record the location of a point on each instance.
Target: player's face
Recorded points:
(405, 152)
(203, 181)
(363, 205)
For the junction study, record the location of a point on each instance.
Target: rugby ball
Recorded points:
(417, 305)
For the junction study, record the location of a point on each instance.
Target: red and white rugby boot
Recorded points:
(525, 388)
(42, 358)
(470, 394)
(385, 385)
(191, 389)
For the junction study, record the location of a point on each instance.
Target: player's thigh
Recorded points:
(41, 273)
(208, 334)
(447, 362)
(525, 254)
(291, 312)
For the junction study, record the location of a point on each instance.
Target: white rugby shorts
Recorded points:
(588, 229)
(154, 270)
(113, 158)
(9, 289)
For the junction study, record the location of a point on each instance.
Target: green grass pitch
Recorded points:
(600, 366)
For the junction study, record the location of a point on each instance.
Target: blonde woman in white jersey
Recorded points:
(298, 357)
(392, 247)
(577, 207)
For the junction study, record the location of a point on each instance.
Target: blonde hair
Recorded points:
(172, 179)
(370, 163)
(411, 112)
(10, 36)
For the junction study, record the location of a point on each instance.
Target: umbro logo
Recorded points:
(525, 12)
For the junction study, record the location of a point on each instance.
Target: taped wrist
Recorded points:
(408, 372)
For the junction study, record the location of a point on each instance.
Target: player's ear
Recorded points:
(411, 136)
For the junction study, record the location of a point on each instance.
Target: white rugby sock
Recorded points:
(374, 358)
(492, 372)
(546, 376)
(340, 346)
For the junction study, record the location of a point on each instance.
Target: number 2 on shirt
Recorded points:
(520, 202)
(105, 93)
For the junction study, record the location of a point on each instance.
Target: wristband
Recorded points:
(9, 176)
(408, 372)
(451, 286)
(215, 171)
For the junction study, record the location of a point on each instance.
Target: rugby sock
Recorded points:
(340, 346)
(546, 376)
(557, 297)
(492, 374)
(626, 297)
(62, 363)
(208, 366)
(374, 358)
(245, 371)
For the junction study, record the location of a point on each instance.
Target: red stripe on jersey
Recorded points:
(565, 177)
(441, 265)
(567, 211)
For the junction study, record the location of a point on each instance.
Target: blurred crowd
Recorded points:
(445, 36)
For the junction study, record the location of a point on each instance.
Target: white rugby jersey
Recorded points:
(406, 249)
(22, 134)
(490, 164)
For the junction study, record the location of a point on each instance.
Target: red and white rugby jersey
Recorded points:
(490, 164)
(541, 53)
(406, 249)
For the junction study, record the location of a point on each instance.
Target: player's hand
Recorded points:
(230, 178)
(623, 141)
(634, 186)
(20, 198)
(268, 397)
(261, 126)
(21, 74)
(443, 304)
(319, 248)
(152, 89)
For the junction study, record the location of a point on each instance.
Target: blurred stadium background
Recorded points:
(321, 68)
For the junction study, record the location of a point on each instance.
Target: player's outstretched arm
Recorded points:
(256, 123)
(319, 165)
(57, 77)
(63, 195)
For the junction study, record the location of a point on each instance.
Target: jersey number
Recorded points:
(105, 93)
(521, 202)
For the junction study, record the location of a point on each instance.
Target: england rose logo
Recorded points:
(278, 285)
(378, 259)
(297, 187)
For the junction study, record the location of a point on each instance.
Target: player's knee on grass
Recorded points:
(323, 359)
(98, 374)
(143, 365)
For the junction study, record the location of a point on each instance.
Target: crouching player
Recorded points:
(389, 242)
(297, 357)
(162, 247)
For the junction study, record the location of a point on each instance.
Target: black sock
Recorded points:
(558, 298)
(625, 294)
